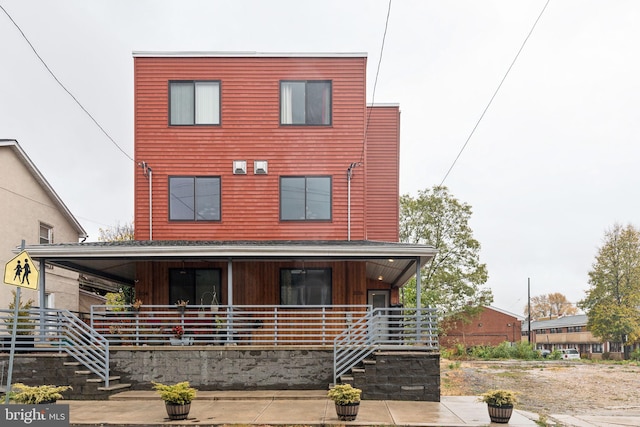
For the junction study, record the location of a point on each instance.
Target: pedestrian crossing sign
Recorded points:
(21, 271)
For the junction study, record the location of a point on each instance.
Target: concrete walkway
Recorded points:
(291, 407)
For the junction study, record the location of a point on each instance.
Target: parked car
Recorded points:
(544, 352)
(570, 353)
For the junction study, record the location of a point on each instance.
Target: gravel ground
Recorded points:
(550, 386)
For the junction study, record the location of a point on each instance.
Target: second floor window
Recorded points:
(305, 198)
(194, 198)
(46, 234)
(194, 103)
(305, 103)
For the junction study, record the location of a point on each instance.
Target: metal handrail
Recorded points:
(384, 328)
(56, 330)
(272, 325)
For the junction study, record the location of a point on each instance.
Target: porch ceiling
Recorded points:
(391, 262)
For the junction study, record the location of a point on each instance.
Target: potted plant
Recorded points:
(136, 305)
(35, 395)
(500, 404)
(181, 305)
(347, 401)
(178, 336)
(177, 398)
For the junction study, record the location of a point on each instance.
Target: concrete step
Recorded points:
(99, 380)
(230, 395)
(115, 387)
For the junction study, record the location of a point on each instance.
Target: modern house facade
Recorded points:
(266, 199)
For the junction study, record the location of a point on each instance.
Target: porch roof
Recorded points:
(394, 262)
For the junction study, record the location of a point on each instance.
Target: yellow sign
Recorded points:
(21, 271)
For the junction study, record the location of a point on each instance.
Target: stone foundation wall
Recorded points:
(227, 369)
(39, 369)
(400, 376)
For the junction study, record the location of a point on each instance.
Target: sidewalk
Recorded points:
(290, 407)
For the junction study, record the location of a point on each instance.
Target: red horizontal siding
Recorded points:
(383, 169)
(249, 131)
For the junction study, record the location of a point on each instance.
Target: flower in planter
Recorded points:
(137, 304)
(178, 331)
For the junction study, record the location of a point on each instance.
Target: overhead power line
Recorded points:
(375, 82)
(495, 93)
(63, 86)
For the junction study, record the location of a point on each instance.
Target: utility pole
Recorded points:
(529, 308)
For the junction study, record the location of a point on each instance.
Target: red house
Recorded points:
(264, 184)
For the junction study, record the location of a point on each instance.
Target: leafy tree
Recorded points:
(117, 233)
(550, 306)
(613, 298)
(453, 281)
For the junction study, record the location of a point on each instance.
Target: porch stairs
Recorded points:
(88, 386)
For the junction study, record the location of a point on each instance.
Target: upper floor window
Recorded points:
(305, 286)
(305, 102)
(46, 234)
(194, 103)
(194, 198)
(305, 198)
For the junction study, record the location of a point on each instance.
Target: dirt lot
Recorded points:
(549, 386)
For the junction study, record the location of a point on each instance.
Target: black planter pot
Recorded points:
(500, 414)
(347, 412)
(178, 411)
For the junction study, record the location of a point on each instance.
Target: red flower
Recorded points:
(178, 331)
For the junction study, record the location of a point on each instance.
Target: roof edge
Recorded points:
(245, 54)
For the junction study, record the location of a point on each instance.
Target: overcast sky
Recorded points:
(551, 166)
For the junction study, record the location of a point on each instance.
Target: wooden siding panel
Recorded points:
(383, 171)
(249, 131)
(254, 283)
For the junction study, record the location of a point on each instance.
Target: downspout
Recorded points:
(150, 203)
(148, 172)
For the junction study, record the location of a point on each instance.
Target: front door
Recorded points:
(379, 299)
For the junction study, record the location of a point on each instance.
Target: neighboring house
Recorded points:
(263, 182)
(32, 211)
(491, 326)
(570, 332)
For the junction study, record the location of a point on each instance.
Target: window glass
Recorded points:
(182, 105)
(305, 198)
(194, 103)
(305, 287)
(194, 198)
(195, 285)
(181, 198)
(207, 199)
(207, 107)
(318, 198)
(305, 103)
(46, 234)
(292, 198)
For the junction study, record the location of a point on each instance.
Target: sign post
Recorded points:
(20, 269)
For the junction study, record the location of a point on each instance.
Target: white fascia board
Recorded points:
(247, 54)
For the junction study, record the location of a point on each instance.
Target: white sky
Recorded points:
(551, 166)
